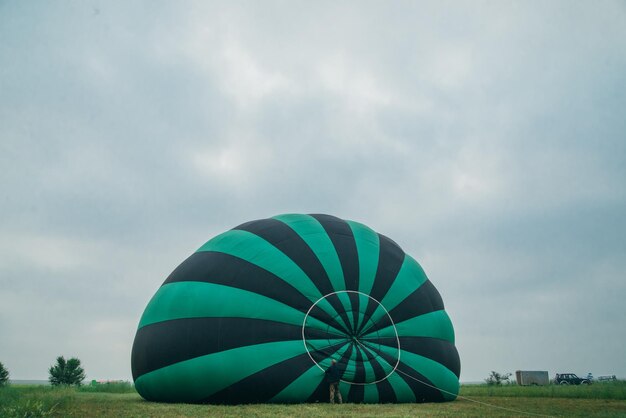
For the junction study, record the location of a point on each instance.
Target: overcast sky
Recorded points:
(488, 139)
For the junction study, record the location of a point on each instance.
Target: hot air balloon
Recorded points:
(258, 313)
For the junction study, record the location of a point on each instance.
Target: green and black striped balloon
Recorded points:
(258, 312)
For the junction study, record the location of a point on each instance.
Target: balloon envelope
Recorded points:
(257, 314)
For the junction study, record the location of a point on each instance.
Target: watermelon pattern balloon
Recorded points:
(257, 313)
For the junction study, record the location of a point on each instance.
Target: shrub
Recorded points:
(109, 387)
(497, 379)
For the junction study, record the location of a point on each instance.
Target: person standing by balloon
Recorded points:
(333, 376)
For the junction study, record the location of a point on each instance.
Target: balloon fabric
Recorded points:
(257, 314)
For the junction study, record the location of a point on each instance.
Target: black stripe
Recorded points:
(183, 339)
(285, 239)
(442, 351)
(281, 236)
(263, 385)
(312, 334)
(357, 392)
(390, 259)
(424, 300)
(386, 394)
(423, 392)
(322, 391)
(341, 235)
(225, 269)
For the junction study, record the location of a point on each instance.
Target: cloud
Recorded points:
(485, 138)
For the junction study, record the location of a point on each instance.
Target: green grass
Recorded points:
(607, 390)
(590, 401)
(34, 401)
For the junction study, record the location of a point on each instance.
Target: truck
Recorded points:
(532, 378)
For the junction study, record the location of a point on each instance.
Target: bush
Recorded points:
(108, 387)
(497, 379)
(4, 375)
(66, 372)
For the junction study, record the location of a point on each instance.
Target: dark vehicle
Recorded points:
(570, 379)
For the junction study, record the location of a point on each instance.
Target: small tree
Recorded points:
(497, 379)
(66, 372)
(4, 375)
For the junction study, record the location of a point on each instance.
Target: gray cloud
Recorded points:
(485, 138)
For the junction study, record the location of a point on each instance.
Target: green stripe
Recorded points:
(403, 391)
(301, 388)
(368, 249)
(256, 250)
(180, 300)
(344, 389)
(370, 394)
(315, 236)
(325, 364)
(344, 298)
(363, 301)
(350, 370)
(434, 324)
(437, 373)
(195, 379)
(370, 375)
(321, 344)
(409, 279)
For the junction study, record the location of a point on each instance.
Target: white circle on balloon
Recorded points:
(395, 366)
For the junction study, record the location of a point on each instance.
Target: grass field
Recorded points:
(601, 400)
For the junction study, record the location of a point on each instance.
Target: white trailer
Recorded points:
(527, 378)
